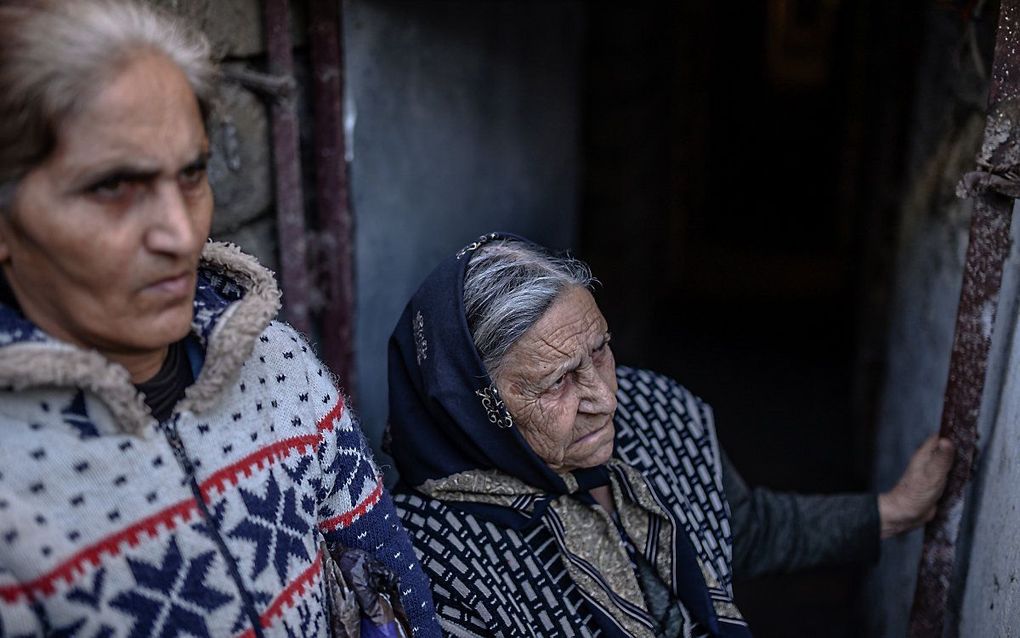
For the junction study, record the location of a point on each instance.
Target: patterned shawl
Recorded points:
(455, 441)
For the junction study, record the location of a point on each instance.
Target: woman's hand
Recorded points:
(911, 502)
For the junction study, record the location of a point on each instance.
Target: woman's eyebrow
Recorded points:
(603, 339)
(567, 366)
(140, 172)
(87, 175)
(201, 158)
(125, 173)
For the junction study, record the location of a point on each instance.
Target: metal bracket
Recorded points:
(267, 84)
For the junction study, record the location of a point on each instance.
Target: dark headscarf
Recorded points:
(447, 418)
(446, 415)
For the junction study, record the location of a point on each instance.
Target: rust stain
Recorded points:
(334, 255)
(290, 214)
(993, 189)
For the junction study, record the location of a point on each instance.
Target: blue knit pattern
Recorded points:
(109, 534)
(14, 328)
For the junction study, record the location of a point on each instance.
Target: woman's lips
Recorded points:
(174, 287)
(593, 435)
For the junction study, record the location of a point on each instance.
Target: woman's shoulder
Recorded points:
(443, 529)
(448, 540)
(483, 573)
(280, 334)
(422, 513)
(282, 347)
(650, 400)
(648, 383)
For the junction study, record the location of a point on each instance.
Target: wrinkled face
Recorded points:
(559, 384)
(102, 242)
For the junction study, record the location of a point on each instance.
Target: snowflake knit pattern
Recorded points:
(208, 524)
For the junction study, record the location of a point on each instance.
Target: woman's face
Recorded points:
(102, 242)
(559, 383)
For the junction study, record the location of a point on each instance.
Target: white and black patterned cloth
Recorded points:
(504, 571)
(515, 548)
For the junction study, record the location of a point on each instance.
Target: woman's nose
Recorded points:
(597, 395)
(172, 225)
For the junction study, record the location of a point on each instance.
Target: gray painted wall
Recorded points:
(465, 120)
(947, 130)
(987, 580)
(929, 271)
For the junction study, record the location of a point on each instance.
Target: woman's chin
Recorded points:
(604, 454)
(599, 455)
(171, 328)
(153, 332)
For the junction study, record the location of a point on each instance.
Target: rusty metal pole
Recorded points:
(290, 215)
(331, 191)
(994, 188)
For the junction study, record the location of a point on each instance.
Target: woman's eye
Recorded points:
(193, 175)
(602, 346)
(558, 383)
(110, 188)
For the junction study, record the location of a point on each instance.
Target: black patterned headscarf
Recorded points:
(447, 419)
(446, 415)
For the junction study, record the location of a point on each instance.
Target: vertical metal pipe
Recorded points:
(979, 296)
(287, 171)
(331, 191)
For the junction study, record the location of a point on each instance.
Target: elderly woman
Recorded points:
(551, 493)
(172, 460)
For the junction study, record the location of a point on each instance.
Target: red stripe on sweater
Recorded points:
(293, 590)
(328, 422)
(231, 474)
(286, 597)
(112, 545)
(275, 452)
(345, 519)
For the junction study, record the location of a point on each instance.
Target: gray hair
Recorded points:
(55, 55)
(508, 287)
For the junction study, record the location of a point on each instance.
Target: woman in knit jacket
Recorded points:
(172, 460)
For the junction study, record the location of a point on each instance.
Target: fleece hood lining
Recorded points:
(33, 364)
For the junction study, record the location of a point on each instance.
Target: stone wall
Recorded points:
(462, 118)
(240, 168)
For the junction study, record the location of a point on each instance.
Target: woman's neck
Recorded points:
(141, 366)
(604, 497)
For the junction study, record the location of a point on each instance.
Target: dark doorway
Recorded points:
(738, 161)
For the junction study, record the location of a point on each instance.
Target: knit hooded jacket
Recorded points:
(208, 524)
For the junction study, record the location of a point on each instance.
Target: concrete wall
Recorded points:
(462, 118)
(465, 120)
(947, 130)
(987, 580)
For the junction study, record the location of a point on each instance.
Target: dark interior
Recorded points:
(737, 166)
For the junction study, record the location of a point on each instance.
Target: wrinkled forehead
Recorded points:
(573, 317)
(568, 331)
(147, 113)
